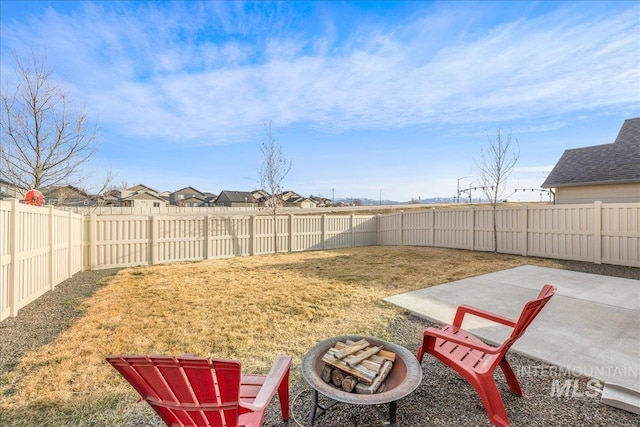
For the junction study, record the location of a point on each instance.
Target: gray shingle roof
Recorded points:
(601, 164)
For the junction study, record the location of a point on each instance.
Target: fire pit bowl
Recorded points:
(404, 378)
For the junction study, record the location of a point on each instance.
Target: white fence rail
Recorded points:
(41, 247)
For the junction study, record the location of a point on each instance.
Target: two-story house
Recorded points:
(187, 196)
(236, 199)
(141, 196)
(607, 173)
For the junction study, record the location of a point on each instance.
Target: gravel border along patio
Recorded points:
(443, 398)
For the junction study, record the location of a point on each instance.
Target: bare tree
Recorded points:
(497, 160)
(44, 141)
(274, 169)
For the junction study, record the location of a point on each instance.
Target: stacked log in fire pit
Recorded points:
(357, 366)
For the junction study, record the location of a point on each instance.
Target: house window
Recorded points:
(156, 204)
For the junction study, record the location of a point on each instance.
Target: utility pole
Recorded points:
(333, 197)
(458, 193)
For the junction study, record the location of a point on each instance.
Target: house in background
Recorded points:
(143, 199)
(11, 191)
(321, 202)
(187, 196)
(137, 189)
(141, 196)
(294, 200)
(609, 173)
(67, 195)
(209, 199)
(235, 199)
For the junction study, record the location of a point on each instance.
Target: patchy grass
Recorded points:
(250, 309)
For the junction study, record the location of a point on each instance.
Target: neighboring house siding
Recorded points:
(607, 173)
(612, 193)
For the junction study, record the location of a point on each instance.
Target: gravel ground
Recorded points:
(443, 398)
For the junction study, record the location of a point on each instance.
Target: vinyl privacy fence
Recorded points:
(41, 247)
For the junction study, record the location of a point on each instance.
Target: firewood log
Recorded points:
(349, 383)
(337, 376)
(326, 373)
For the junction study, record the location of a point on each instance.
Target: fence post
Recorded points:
(70, 254)
(14, 278)
(50, 237)
(352, 231)
(153, 256)
(290, 232)
(524, 238)
(324, 231)
(472, 228)
(205, 243)
(253, 234)
(402, 228)
(433, 225)
(93, 242)
(597, 232)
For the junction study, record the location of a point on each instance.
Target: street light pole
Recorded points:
(458, 193)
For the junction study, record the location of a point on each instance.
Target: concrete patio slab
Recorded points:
(591, 326)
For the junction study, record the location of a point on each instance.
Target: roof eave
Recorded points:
(582, 184)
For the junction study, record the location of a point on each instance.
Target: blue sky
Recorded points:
(367, 99)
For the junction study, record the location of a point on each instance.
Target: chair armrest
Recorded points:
(278, 372)
(464, 309)
(449, 336)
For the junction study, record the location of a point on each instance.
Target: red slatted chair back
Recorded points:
(187, 390)
(528, 314)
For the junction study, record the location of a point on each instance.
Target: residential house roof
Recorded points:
(237, 196)
(189, 190)
(66, 195)
(140, 188)
(614, 163)
(143, 195)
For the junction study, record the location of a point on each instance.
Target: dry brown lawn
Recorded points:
(250, 309)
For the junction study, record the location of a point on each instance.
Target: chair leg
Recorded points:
(512, 380)
(420, 354)
(492, 400)
(283, 396)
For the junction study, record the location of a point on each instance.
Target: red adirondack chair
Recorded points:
(475, 360)
(196, 391)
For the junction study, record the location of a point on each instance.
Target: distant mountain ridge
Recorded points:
(371, 202)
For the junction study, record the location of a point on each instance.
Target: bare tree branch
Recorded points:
(497, 160)
(274, 169)
(44, 141)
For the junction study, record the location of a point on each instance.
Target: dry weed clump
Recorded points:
(250, 309)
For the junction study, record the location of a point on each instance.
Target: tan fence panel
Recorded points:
(562, 232)
(38, 252)
(621, 234)
(364, 229)
(6, 259)
(231, 236)
(418, 228)
(511, 228)
(454, 228)
(390, 229)
(337, 234)
(308, 233)
(119, 241)
(179, 238)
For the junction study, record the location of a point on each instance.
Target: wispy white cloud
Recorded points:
(206, 73)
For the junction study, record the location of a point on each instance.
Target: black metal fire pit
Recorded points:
(404, 378)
